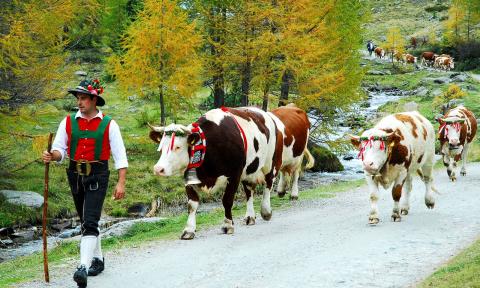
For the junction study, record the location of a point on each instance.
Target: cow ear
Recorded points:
(193, 138)
(355, 140)
(391, 137)
(155, 136)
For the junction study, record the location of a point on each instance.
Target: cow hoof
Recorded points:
(373, 220)
(453, 178)
(281, 194)
(396, 217)
(293, 198)
(404, 211)
(227, 230)
(430, 205)
(463, 173)
(266, 215)
(249, 220)
(187, 235)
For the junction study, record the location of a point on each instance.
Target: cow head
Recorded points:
(174, 141)
(373, 147)
(451, 128)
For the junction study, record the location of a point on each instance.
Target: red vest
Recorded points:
(86, 146)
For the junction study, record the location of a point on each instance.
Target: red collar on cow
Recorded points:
(368, 141)
(245, 146)
(456, 125)
(197, 152)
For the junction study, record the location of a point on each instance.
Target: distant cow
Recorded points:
(391, 152)
(445, 63)
(428, 58)
(409, 59)
(379, 52)
(239, 147)
(457, 129)
(293, 124)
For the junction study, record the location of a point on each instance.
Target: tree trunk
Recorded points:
(246, 75)
(218, 76)
(285, 88)
(162, 107)
(265, 98)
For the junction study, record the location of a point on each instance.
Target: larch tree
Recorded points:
(395, 42)
(33, 42)
(160, 55)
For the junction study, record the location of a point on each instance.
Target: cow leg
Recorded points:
(373, 189)
(249, 218)
(397, 194)
(282, 185)
(405, 199)
(447, 162)
(193, 201)
(227, 201)
(294, 193)
(428, 179)
(463, 170)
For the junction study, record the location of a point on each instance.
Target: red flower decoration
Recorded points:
(90, 88)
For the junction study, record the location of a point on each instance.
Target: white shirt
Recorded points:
(116, 142)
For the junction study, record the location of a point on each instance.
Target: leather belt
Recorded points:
(85, 168)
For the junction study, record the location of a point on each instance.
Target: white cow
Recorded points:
(397, 147)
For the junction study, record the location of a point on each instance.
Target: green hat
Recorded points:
(89, 87)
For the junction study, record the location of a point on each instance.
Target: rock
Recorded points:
(376, 72)
(61, 225)
(348, 157)
(325, 160)
(437, 92)
(441, 80)
(121, 228)
(70, 233)
(132, 109)
(138, 210)
(23, 236)
(422, 91)
(6, 231)
(4, 243)
(459, 78)
(132, 98)
(28, 198)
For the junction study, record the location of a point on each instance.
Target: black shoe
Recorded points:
(80, 276)
(97, 267)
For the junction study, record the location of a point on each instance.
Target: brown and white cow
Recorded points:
(379, 52)
(391, 152)
(457, 129)
(428, 58)
(293, 124)
(409, 59)
(241, 148)
(444, 62)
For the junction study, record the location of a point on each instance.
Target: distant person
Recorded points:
(370, 47)
(88, 137)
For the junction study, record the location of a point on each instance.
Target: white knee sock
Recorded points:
(98, 248)
(87, 245)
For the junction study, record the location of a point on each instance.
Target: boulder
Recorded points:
(441, 80)
(376, 72)
(459, 78)
(121, 228)
(138, 210)
(422, 91)
(28, 198)
(325, 160)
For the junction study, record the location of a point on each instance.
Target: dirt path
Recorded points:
(321, 243)
(475, 76)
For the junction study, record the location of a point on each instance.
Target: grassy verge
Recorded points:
(29, 268)
(461, 271)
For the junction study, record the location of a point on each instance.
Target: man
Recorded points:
(88, 137)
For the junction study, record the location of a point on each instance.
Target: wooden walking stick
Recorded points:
(44, 218)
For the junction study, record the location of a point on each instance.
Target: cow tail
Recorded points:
(310, 159)
(433, 187)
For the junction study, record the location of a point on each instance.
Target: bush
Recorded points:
(436, 8)
(325, 160)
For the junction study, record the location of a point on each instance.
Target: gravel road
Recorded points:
(320, 243)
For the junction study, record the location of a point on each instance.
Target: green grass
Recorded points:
(30, 267)
(461, 271)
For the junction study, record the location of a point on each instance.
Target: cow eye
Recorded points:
(177, 148)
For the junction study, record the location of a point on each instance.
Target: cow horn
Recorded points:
(156, 128)
(185, 129)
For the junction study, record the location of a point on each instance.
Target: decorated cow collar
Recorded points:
(367, 142)
(199, 147)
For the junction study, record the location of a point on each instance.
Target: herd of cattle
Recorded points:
(248, 146)
(428, 59)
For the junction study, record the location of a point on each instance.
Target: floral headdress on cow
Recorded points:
(445, 123)
(91, 87)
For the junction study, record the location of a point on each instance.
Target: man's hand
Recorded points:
(46, 157)
(119, 192)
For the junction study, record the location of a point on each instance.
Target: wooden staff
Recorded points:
(44, 218)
